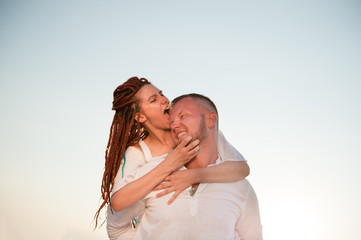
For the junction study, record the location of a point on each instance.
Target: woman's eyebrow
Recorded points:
(152, 96)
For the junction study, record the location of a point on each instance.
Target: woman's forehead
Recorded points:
(147, 91)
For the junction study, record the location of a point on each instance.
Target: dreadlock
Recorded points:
(124, 132)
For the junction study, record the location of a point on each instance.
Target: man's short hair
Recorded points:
(205, 101)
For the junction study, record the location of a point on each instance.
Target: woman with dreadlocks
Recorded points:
(141, 127)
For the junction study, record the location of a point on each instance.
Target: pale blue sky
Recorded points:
(285, 76)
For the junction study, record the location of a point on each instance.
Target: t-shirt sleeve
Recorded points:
(134, 159)
(249, 225)
(119, 224)
(226, 151)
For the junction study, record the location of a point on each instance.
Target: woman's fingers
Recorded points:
(184, 142)
(161, 186)
(183, 152)
(168, 178)
(192, 154)
(175, 195)
(165, 192)
(194, 150)
(187, 144)
(193, 144)
(176, 182)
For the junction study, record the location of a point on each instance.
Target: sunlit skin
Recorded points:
(153, 114)
(153, 107)
(190, 118)
(185, 120)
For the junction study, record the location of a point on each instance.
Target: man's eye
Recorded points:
(182, 116)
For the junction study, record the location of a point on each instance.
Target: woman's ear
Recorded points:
(212, 119)
(140, 117)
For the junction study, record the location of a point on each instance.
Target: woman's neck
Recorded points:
(159, 142)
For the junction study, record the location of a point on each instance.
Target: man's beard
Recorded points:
(202, 130)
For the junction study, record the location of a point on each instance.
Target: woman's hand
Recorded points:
(182, 153)
(177, 182)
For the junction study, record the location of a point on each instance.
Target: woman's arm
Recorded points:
(120, 224)
(178, 181)
(234, 168)
(136, 190)
(228, 171)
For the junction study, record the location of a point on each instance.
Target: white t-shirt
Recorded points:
(138, 164)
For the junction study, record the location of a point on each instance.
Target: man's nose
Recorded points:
(175, 124)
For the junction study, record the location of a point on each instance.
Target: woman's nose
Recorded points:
(165, 100)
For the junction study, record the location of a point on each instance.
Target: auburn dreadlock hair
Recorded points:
(125, 131)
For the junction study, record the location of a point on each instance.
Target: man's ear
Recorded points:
(212, 119)
(140, 117)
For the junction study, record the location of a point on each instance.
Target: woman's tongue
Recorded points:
(166, 115)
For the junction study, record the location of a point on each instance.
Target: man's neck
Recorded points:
(208, 154)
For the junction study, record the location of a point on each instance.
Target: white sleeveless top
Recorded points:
(119, 224)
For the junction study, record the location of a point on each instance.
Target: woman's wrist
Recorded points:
(167, 167)
(195, 175)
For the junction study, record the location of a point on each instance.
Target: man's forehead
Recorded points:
(175, 110)
(184, 104)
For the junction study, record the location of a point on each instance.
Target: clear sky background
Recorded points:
(285, 76)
